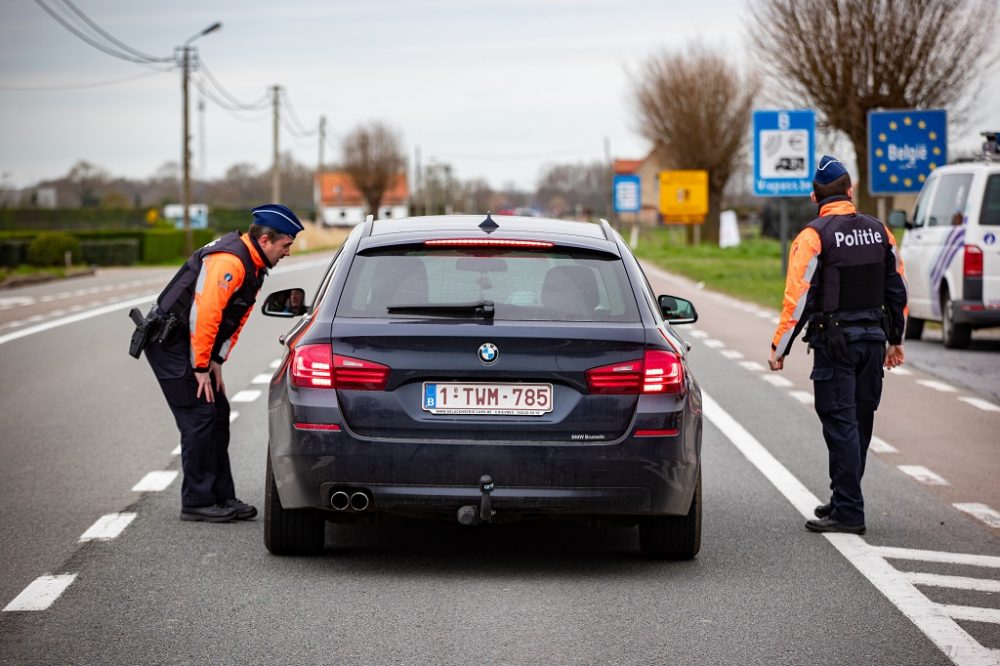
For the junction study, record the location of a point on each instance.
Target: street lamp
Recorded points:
(185, 136)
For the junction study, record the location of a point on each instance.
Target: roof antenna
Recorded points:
(489, 225)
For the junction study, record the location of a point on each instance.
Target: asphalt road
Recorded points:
(83, 423)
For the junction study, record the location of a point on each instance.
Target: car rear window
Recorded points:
(990, 215)
(523, 285)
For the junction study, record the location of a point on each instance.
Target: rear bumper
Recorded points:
(975, 314)
(630, 477)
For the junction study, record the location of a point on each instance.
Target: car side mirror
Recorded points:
(677, 310)
(285, 303)
(897, 220)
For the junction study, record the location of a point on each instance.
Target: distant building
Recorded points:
(648, 169)
(341, 203)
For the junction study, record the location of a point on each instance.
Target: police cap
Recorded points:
(278, 217)
(828, 170)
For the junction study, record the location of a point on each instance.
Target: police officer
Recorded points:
(845, 283)
(206, 304)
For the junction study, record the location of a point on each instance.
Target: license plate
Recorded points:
(491, 399)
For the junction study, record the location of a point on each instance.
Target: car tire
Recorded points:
(286, 531)
(914, 328)
(673, 537)
(954, 336)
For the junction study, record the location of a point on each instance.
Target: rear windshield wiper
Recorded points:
(479, 309)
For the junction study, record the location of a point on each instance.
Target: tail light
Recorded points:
(316, 366)
(972, 264)
(658, 371)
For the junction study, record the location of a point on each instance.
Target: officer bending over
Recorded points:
(198, 317)
(845, 283)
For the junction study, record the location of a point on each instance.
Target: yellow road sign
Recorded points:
(684, 196)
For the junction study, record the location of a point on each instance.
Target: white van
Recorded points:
(951, 251)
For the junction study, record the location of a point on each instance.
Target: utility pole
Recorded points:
(186, 136)
(318, 187)
(416, 172)
(275, 172)
(609, 202)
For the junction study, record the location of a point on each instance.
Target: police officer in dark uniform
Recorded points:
(199, 316)
(846, 285)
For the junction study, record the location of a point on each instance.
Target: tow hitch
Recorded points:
(469, 515)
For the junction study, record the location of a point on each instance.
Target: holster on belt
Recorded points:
(824, 329)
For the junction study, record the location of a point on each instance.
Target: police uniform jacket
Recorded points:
(843, 264)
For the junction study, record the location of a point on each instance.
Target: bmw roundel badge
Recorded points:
(488, 353)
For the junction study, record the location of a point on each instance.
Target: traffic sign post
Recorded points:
(904, 147)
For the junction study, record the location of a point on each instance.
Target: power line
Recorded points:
(304, 133)
(95, 84)
(100, 47)
(237, 104)
(230, 110)
(111, 38)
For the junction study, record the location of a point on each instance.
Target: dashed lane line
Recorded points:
(275, 363)
(778, 380)
(245, 396)
(981, 512)
(41, 593)
(262, 378)
(176, 451)
(923, 475)
(155, 481)
(979, 403)
(233, 415)
(731, 354)
(879, 445)
(107, 527)
(805, 397)
(937, 386)
(714, 344)
(752, 366)
(927, 616)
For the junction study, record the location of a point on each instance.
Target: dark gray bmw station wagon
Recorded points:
(484, 369)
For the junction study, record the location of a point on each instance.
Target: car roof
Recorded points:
(400, 231)
(970, 166)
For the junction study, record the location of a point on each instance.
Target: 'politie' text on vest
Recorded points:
(858, 237)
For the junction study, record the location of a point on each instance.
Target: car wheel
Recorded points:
(914, 328)
(673, 537)
(955, 336)
(290, 532)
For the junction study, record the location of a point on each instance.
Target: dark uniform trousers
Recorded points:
(204, 426)
(847, 392)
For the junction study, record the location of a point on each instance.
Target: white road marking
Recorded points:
(57, 313)
(899, 370)
(695, 333)
(14, 301)
(879, 445)
(753, 366)
(261, 379)
(923, 475)
(777, 380)
(936, 385)
(980, 404)
(764, 314)
(805, 397)
(245, 396)
(233, 415)
(950, 638)
(177, 449)
(41, 593)
(973, 614)
(731, 354)
(939, 556)
(715, 344)
(954, 582)
(155, 481)
(108, 527)
(275, 363)
(980, 511)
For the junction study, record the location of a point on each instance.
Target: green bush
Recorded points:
(50, 248)
(123, 252)
(167, 245)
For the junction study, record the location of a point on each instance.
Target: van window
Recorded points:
(990, 214)
(948, 206)
(923, 199)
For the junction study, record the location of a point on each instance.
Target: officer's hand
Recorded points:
(215, 370)
(776, 362)
(894, 356)
(204, 386)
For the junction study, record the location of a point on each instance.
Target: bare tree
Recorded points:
(695, 107)
(373, 157)
(847, 57)
(574, 189)
(87, 178)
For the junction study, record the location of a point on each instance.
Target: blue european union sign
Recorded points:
(783, 152)
(628, 192)
(904, 147)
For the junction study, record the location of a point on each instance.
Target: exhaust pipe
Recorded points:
(359, 501)
(340, 500)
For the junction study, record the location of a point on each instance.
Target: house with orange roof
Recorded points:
(341, 204)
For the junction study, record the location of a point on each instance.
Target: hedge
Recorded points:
(123, 252)
(51, 247)
(92, 219)
(111, 247)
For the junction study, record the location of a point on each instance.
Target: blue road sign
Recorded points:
(627, 193)
(784, 147)
(904, 147)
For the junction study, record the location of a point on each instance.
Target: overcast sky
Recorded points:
(497, 88)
